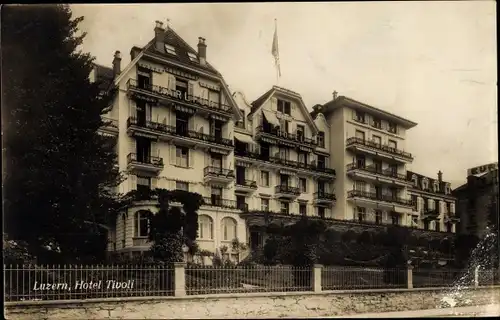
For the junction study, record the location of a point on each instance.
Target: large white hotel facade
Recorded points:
(178, 126)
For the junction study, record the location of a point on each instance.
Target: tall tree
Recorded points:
(59, 171)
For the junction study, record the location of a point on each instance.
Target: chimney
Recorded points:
(440, 176)
(335, 94)
(159, 30)
(202, 50)
(117, 61)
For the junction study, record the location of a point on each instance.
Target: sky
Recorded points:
(433, 63)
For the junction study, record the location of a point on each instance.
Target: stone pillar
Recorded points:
(316, 277)
(409, 276)
(179, 279)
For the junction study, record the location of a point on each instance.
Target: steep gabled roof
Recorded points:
(293, 95)
(420, 177)
(182, 48)
(103, 75)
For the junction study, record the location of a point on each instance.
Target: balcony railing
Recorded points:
(324, 196)
(178, 96)
(372, 169)
(179, 131)
(246, 183)
(110, 122)
(286, 190)
(379, 197)
(151, 160)
(216, 201)
(284, 162)
(288, 136)
(429, 213)
(216, 171)
(378, 146)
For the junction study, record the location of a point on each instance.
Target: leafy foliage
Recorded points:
(60, 173)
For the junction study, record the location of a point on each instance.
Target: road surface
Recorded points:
(492, 310)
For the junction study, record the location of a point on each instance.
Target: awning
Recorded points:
(271, 117)
(244, 138)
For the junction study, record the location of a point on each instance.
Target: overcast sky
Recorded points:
(431, 62)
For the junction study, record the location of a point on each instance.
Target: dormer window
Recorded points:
(436, 187)
(425, 184)
(193, 57)
(170, 49)
(447, 189)
(376, 123)
(415, 180)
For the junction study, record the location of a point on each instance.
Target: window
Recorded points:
(302, 157)
(182, 157)
(360, 161)
(303, 209)
(264, 178)
(438, 225)
(170, 49)
(264, 204)
(181, 123)
(414, 201)
(143, 78)
(216, 129)
(193, 57)
(321, 161)
(424, 184)
(182, 86)
(241, 123)
(216, 196)
(449, 227)
(321, 212)
(284, 153)
(180, 185)
(448, 207)
(241, 202)
(143, 184)
(376, 123)
(392, 127)
(395, 219)
(284, 207)
(284, 179)
(393, 168)
(378, 217)
(205, 227)
(213, 97)
(360, 135)
(359, 185)
(124, 233)
(377, 140)
(141, 224)
(216, 161)
(360, 117)
(303, 185)
(229, 229)
(415, 180)
(300, 132)
(321, 139)
(284, 107)
(426, 224)
(377, 164)
(361, 213)
(393, 144)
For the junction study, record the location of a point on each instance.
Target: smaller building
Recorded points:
(433, 203)
(478, 200)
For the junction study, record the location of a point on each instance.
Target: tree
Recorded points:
(60, 173)
(171, 228)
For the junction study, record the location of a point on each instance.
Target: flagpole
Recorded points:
(277, 69)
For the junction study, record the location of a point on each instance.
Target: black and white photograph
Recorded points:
(250, 160)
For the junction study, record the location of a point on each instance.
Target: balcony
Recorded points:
(284, 191)
(429, 214)
(377, 149)
(217, 174)
(373, 196)
(285, 137)
(258, 157)
(110, 127)
(179, 134)
(141, 242)
(245, 185)
(374, 174)
(450, 217)
(324, 197)
(159, 93)
(144, 163)
(217, 201)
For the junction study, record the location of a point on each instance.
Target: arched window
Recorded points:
(415, 180)
(205, 227)
(425, 184)
(436, 186)
(229, 229)
(141, 222)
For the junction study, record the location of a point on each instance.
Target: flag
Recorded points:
(275, 50)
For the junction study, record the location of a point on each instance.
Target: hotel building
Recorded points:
(178, 127)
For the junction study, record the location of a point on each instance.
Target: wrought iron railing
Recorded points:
(287, 135)
(169, 94)
(372, 169)
(324, 196)
(147, 159)
(216, 201)
(217, 171)
(379, 197)
(378, 146)
(286, 189)
(246, 183)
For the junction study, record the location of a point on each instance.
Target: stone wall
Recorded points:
(252, 305)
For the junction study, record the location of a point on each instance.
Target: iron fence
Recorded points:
(345, 278)
(66, 282)
(425, 278)
(206, 280)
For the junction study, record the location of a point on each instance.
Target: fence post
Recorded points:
(316, 277)
(409, 276)
(476, 277)
(179, 279)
